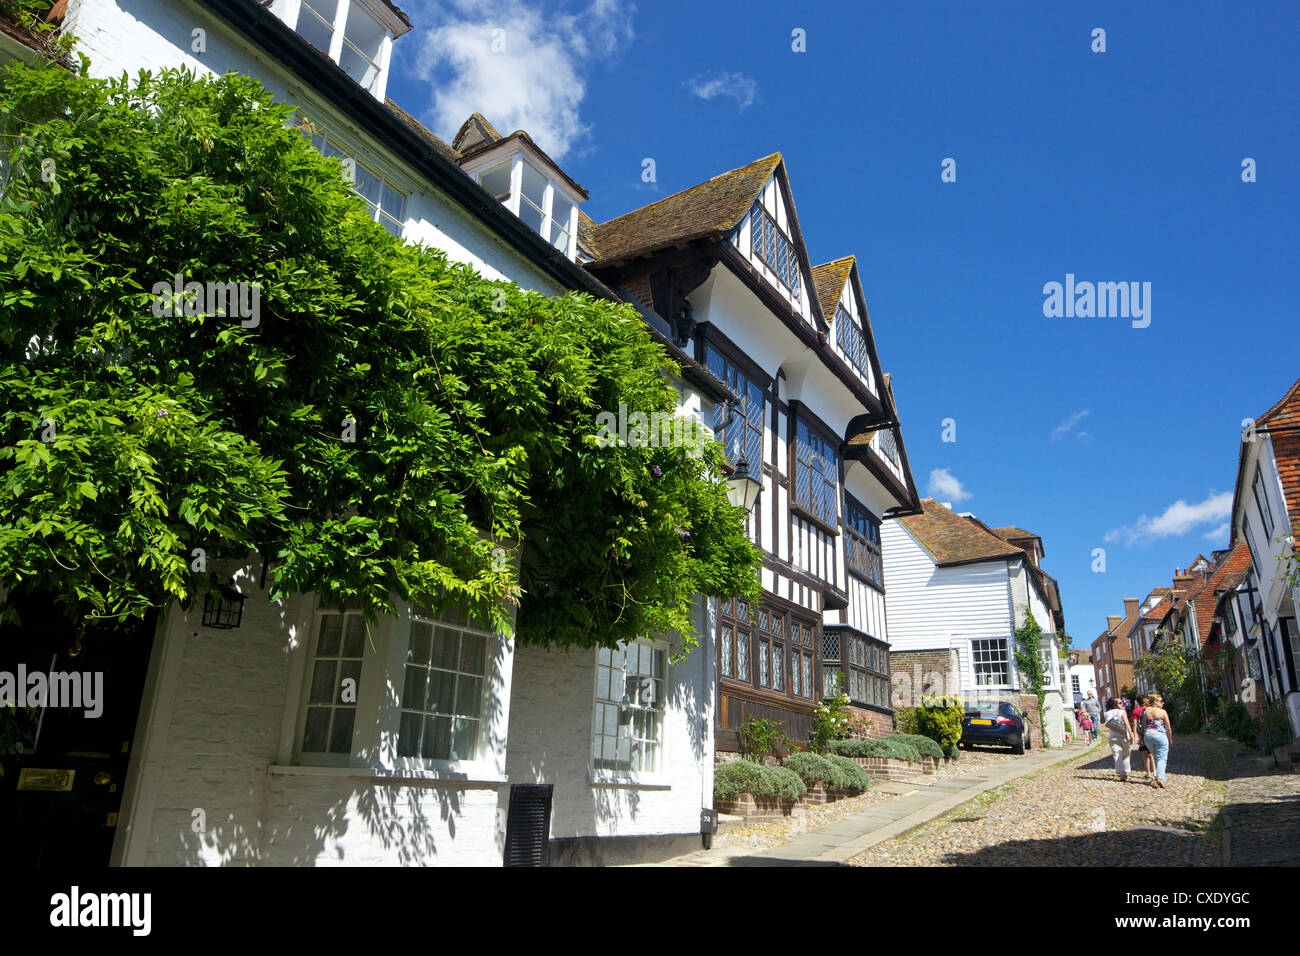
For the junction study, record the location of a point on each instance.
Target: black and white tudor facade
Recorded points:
(722, 268)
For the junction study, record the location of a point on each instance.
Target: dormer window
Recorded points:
(774, 247)
(349, 32)
(548, 207)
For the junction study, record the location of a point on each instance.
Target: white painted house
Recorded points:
(242, 751)
(1265, 512)
(956, 590)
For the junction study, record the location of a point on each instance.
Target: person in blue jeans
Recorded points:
(1159, 735)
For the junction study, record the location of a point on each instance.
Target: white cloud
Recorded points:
(737, 86)
(944, 486)
(1067, 426)
(521, 68)
(1179, 518)
(1220, 533)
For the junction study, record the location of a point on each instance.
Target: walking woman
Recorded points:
(1159, 735)
(1122, 736)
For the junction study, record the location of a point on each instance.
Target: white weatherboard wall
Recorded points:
(120, 36)
(932, 607)
(551, 717)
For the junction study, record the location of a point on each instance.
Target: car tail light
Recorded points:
(1004, 720)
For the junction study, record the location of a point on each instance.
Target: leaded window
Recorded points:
(816, 475)
(747, 424)
(862, 542)
(736, 640)
(773, 247)
(852, 342)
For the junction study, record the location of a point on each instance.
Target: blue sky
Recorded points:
(1117, 166)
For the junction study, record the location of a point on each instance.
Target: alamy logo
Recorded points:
(75, 908)
(238, 299)
(655, 430)
(76, 689)
(1104, 300)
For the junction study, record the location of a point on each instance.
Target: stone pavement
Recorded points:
(915, 805)
(1261, 815)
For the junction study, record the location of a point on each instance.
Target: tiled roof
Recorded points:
(710, 210)
(473, 132)
(829, 277)
(421, 130)
(952, 539)
(1011, 531)
(1206, 597)
(1286, 447)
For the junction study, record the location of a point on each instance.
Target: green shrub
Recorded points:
(857, 780)
(924, 745)
(905, 720)
(759, 736)
(880, 747)
(939, 718)
(830, 722)
(765, 783)
(812, 767)
(1235, 722)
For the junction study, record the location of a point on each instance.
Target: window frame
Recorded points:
(860, 546)
(310, 126)
(801, 420)
(717, 357)
(409, 762)
(661, 649)
(863, 677)
(339, 37)
(1265, 508)
(1005, 660)
(768, 242)
(327, 758)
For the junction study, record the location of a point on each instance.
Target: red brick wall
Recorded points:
(870, 723)
(1029, 704)
(917, 674)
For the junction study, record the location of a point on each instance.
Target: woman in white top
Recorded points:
(1122, 735)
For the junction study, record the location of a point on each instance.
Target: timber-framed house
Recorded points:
(722, 270)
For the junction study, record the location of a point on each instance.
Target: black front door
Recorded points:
(60, 797)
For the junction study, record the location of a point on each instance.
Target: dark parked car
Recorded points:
(996, 722)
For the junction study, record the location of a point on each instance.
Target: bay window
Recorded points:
(349, 33)
(536, 198)
(862, 542)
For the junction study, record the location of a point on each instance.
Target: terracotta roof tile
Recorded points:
(1221, 578)
(952, 539)
(1286, 447)
(710, 210)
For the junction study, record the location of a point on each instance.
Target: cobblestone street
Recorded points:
(1224, 805)
(1080, 814)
